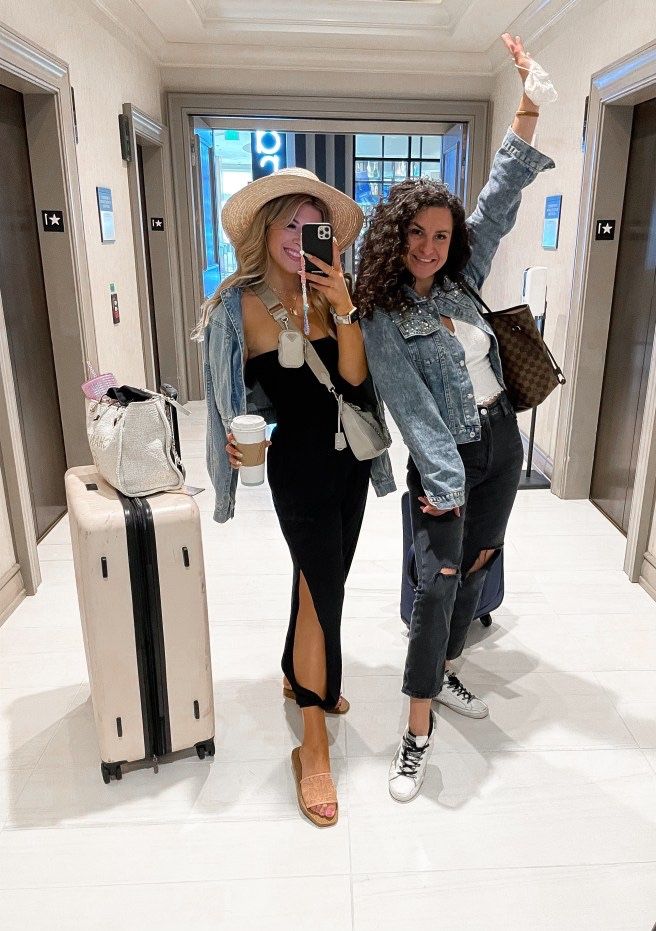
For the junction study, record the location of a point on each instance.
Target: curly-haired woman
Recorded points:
(436, 364)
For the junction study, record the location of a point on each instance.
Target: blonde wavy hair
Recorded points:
(254, 261)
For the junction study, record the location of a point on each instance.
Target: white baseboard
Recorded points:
(12, 592)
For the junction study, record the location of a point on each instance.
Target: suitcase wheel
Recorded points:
(205, 748)
(486, 620)
(111, 769)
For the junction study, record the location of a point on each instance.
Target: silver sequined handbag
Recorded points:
(132, 446)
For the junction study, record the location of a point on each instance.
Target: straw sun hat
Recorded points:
(240, 210)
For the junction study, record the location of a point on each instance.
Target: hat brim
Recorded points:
(240, 210)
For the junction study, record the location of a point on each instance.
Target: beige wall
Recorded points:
(106, 70)
(596, 35)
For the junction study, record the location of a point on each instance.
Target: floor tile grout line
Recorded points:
(364, 873)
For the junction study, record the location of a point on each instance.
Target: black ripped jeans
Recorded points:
(445, 604)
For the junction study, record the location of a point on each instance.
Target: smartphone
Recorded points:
(317, 239)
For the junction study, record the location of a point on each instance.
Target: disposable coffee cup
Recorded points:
(249, 431)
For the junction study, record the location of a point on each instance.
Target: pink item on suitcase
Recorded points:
(141, 588)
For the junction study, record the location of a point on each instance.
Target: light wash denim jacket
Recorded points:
(227, 396)
(418, 364)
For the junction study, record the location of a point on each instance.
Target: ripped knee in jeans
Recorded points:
(483, 558)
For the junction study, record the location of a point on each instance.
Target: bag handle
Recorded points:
(473, 293)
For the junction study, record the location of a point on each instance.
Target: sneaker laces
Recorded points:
(410, 757)
(458, 689)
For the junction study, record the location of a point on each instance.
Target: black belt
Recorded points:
(500, 407)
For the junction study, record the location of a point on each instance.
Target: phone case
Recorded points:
(317, 240)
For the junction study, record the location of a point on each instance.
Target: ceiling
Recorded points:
(389, 47)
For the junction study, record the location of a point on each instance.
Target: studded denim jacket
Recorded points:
(227, 396)
(419, 365)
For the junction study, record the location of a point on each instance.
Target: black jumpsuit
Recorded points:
(319, 494)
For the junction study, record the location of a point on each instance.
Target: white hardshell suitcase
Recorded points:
(141, 588)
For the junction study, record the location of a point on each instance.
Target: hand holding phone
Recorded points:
(317, 240)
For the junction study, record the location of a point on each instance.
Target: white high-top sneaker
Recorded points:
(455, 696)
(408, 768)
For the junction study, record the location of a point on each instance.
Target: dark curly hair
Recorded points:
(382, 272)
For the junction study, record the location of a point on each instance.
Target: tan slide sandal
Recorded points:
(314, 790)
(341, 707)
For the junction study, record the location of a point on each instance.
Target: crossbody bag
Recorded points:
(367, 436)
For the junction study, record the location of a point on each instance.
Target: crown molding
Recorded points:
(333, 42)
(309, 58)
(537, 24)
(140, 31)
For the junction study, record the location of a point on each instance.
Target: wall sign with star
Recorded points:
(53, 221)
(157, 223)
(605, 229)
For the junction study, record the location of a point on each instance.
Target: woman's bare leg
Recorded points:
(310, 672)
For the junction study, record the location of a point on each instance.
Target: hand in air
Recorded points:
(522, 58)
(234, 456)
(333, 284)
(429, 508)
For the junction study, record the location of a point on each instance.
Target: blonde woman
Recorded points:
(319, 492)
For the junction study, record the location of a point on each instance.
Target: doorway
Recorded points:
(26, 318)
(364, 165)
(631, 333)
(145, 149)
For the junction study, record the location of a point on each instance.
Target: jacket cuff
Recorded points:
(447, 502)
(525, 153)
(385, 488)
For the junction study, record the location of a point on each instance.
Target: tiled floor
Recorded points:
(540, 817)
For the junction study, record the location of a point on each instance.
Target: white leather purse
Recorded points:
(132, 445)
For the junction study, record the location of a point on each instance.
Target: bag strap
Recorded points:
(316, 366)
(171, 401)
(474, 293)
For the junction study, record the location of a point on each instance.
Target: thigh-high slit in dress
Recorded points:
(319, 494)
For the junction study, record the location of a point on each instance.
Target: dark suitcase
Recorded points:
(493, 590)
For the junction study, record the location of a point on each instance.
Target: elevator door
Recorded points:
(631, 334)
(26, 319)
(149, 267)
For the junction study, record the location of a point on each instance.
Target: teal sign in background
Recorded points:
(551, 225)
(106, 214)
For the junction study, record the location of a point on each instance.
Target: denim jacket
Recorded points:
(419, 365)
(227, 396)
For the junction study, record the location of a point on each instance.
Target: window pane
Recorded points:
(396, 146)
(367, 187)
(395, 171)
(431, 170)
(431, 147)
(368, 145)
(415, 147)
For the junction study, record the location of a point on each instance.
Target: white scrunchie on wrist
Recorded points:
(538, 86)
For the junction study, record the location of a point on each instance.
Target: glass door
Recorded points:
(365, 165)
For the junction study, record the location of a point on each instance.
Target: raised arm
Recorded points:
(515, 166)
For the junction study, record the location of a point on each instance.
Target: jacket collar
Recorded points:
(438, 290)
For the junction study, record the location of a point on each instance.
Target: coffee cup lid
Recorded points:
(248, 422)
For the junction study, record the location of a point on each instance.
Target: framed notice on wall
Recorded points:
(106, 214)
(551, 225)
